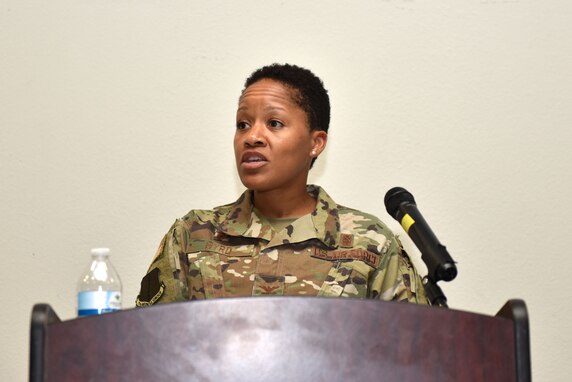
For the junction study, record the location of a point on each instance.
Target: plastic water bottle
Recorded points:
(99, 288)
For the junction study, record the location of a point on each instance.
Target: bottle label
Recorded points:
(98, 302)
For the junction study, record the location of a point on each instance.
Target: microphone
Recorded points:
(400, 204)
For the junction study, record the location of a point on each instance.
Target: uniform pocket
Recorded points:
(212, 268)
(347, 279)
(207, 269)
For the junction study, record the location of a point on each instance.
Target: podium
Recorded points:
(282, 339)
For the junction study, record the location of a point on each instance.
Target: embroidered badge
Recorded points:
(151, 289)
(213, 246)
(346, 240)
(348, 254)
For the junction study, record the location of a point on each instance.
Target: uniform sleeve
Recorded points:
(165, 280)
(396, 279)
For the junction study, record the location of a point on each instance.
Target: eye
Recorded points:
(241, 125)
(276, 124)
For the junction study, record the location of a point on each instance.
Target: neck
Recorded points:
(284, 203)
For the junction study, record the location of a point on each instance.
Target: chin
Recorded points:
(255, 186)
(259, 185)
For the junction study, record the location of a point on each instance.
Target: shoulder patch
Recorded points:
(151, 289)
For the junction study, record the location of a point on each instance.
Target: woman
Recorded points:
(281, 237)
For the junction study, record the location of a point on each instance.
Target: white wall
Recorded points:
(116, 117)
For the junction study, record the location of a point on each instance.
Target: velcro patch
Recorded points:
(222, 249)
(346, 240)
(348, 254)
(213, 246)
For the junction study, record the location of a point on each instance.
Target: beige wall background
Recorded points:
(116, 117)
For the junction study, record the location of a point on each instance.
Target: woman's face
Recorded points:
(273, 143)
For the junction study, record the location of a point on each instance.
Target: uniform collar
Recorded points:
(240, 219)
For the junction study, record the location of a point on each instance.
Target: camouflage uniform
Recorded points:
(232, 251)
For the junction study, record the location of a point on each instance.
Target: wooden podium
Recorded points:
(282, 339)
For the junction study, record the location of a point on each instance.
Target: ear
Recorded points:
(319, 141)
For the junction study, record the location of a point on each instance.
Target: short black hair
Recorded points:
(311, 95)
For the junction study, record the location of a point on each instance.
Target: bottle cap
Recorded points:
(100, 251)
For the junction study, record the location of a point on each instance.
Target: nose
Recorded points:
(255, 136)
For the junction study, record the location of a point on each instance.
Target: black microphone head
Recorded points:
(394, 198)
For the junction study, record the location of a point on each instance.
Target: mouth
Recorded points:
(252, 160)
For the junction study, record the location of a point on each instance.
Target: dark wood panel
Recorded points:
(282, 339)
